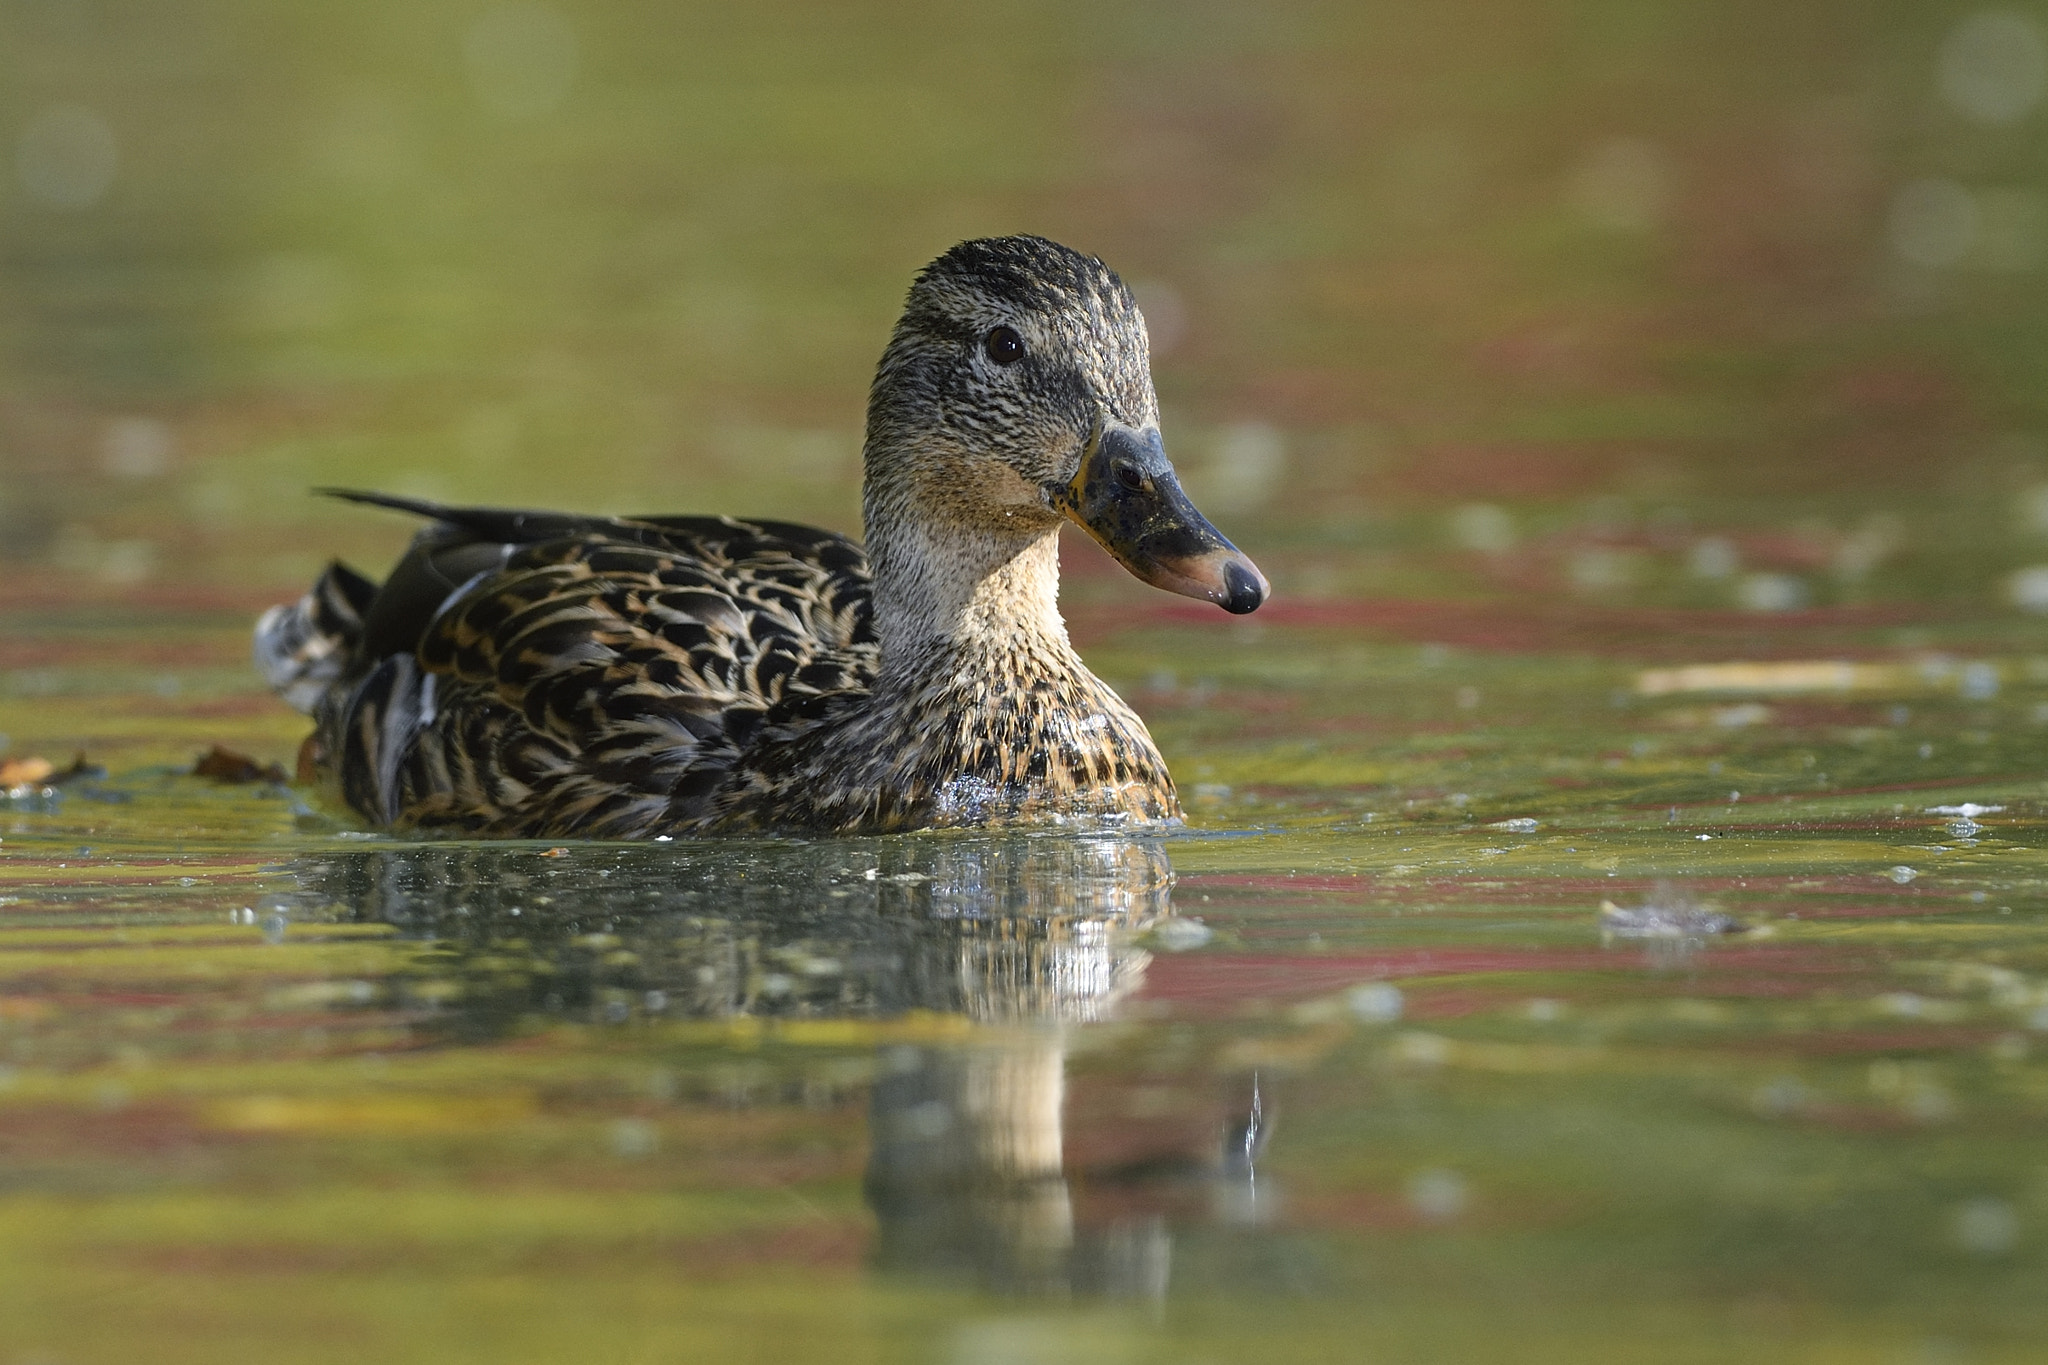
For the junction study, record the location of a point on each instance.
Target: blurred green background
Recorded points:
(1726, 305)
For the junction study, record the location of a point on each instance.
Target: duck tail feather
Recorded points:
(507, 525)
(419, 507)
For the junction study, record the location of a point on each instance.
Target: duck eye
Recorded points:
(1129, 477)
(1003, 346)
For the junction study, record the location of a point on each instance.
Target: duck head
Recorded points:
(1017, 392)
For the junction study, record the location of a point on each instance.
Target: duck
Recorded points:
(534, 674)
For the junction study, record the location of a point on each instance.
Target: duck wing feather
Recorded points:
(545, 674)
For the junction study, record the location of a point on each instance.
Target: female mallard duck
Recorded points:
(539, 674)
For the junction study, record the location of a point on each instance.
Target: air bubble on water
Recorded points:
(1771, 592)
(1483, 527)
(1520, 824)
(1985, 1226)
(1422, 1049)
(1375, 1002)
(2027, 588)
(1993, 66)
(1902, 874)
(1930, 1104)
(1979, 681)
(1438, 1195)
(1178, 934)
(1714, 557)
(633, 1138)
(1545, 1011)
(1603, 569)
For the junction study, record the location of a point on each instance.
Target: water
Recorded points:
(1612, 922)
(1647, 1071)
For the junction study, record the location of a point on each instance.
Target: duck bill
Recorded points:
(1126, 496)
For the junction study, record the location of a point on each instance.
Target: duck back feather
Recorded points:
(539, 674)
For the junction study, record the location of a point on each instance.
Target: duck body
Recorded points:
(533, 674)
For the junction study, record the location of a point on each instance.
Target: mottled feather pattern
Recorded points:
(997, 733)
(602, 683)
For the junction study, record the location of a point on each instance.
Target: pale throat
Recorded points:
(972, 593)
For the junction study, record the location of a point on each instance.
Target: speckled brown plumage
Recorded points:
(541, 674)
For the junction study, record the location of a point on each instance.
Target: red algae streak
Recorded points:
(1521, 627)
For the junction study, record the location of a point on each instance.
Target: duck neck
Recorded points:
(948, 595)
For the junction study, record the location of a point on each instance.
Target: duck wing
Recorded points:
(544, 674)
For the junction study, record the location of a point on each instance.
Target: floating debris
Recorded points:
(19, 772)
(1789, 676)
(32, 775)
(1665, 915)
(225, 765)
(1178, 935)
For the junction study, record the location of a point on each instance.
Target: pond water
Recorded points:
(1612, 918)
(1586, 1020)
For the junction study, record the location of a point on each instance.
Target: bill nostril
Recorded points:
(1244, 591)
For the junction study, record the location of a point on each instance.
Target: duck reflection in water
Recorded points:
(1034, 936)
